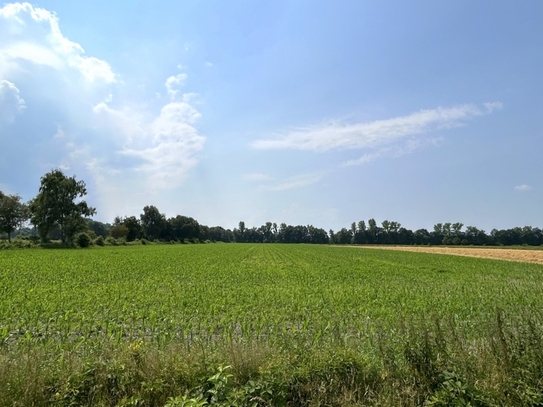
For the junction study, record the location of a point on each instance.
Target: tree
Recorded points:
(13, 213)
(184, 227)
(99, 228)
(353, 232)
(373, 231)
(134, 228)
(118, 231)
(57, 205)
(152, 222)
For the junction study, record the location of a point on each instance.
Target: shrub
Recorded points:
(83, 239)
(99, 241)
(21, 243)
(110, 240)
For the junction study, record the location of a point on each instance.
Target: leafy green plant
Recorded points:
(83, 240)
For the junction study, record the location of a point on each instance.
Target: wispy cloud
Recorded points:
(523, 188)
(257, 176)
(373, 134)
(298, 181)
(395, 151)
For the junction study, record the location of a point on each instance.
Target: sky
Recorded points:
(303, 112)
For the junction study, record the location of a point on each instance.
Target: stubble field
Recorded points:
(532, 255)
(241, 324)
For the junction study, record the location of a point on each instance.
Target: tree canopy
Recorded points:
(13, 213)
(58, 205)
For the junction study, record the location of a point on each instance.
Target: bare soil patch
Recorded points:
(526, 256)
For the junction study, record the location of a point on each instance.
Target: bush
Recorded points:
(83, 239)
(110, 240)
(99, 241)
(19, 243)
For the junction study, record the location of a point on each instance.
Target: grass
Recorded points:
(269, 324)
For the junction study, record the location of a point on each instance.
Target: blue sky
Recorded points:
(301, 112)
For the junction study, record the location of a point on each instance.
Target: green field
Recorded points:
(286, 325)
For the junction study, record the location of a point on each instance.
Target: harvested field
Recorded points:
(521, 255)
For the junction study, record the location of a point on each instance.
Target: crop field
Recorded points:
(255, 325)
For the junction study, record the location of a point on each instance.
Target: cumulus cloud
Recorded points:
(174, 143)
(372, 134)
(523, 188)
(83, 118)
(174, 82)
(11, 104)
(33, 34)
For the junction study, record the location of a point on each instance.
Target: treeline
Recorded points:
(155, 226)
(152, 225)
(442, 234)
(59, 213)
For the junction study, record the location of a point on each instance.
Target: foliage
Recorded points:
(99, 228)
(57, 205)
(83, 239)
(153, 222)
(118, 231)
(13, 213)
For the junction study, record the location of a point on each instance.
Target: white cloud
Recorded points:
(523, 188)
(60, 133)
(174, 82)
(130, 149)
(298, 181)
(395, 151)
(174, 145)
(491, 106)
(370, 135)
(256, 176)
(33, 34)
(165, 147)
(11, 104)
(366, 158)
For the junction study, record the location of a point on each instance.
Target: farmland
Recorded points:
(267, 325)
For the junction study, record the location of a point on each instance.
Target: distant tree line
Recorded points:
(442, 234)
(153, 225)
(58, 212)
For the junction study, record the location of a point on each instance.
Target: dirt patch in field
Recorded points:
(526, 256)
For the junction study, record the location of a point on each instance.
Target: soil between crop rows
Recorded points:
(526, 256)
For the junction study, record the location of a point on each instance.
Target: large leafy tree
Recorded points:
(59, 205)
(13, 213)
(152, 222)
